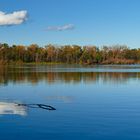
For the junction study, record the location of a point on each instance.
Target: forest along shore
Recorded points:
(68, 54)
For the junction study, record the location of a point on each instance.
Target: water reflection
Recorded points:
(7, 108)
(26, 75)
(11, 108)
(65, 99)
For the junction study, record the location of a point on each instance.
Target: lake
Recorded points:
(51, 102)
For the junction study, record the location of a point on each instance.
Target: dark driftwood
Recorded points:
(42, 106)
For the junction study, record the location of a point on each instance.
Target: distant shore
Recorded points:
(55, 63)
(68, 54)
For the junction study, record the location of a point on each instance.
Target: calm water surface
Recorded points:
(91, 102)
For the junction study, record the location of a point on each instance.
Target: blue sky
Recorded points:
(83, 22)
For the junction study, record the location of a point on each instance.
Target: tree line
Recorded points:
(70, 54)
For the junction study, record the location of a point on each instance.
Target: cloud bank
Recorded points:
(61, 28)
(15, 18)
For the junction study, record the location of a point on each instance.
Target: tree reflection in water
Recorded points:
(32, 75)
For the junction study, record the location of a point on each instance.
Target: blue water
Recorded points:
(91, 102)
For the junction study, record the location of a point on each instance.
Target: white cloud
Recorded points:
(15, 18)
(61, 28)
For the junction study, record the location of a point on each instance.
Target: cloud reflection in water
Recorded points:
(7, 108)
